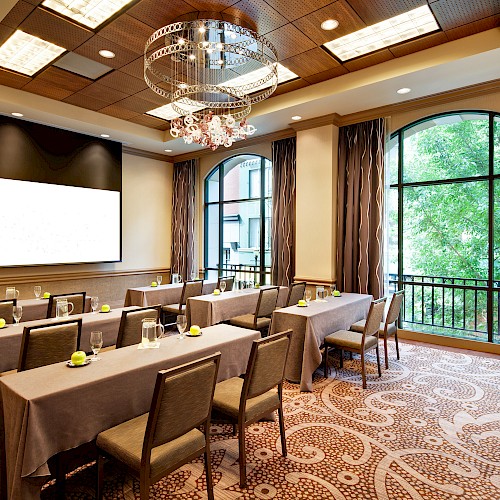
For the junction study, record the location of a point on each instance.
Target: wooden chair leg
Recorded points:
(397, 345)
(350, 355)
(378, 360)
(341, 358)
(325, 363)
(144, 490)
(242, 457)
(235, 431)
(100, 477)
(386, 353)
(60, 479)
(208, 472)
(363, 369)
(282, 430)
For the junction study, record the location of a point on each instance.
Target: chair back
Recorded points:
(375, 316)
(50, 343)
(130, 331)
(229, 282)
(395, 307)
(182, 401)
(266, 365)
(6, 313)
(267, 302)
(77, 298)
(191, 289)
(295, 293)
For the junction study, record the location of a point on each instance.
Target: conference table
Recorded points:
(211, 309)
(162, 294)
(72, 406)
(108, 323)
(34, 309)
(310, 325)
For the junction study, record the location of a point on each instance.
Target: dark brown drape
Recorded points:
(182, 257)
(360, 208)
(283, 220)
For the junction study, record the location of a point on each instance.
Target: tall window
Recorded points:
(238, 219)
(444, 224)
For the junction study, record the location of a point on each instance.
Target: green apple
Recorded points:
(2, 322)
(336, 293)
(78, 358)
(216, 291)
(195, 330)
(46, 295)
(257, 285)
(153, 283)
(302, 302)
(105, 308)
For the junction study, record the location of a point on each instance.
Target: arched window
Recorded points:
(238, 219)
(444, 224)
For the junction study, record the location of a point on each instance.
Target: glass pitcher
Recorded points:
(63, 309)
(149, 328)
(176, 278)
(11, 293)
(321, 294)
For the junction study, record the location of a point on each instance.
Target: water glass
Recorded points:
(11, 293)
(17, 313)
(38, 291)
(95, 344)
(181, 325)
(222, 286)
(158, 279)
(308, 296)
(94, 303)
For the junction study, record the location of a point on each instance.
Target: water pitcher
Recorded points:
(63, 308)
(11, 293)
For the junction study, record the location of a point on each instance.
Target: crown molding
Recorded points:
(319, 121)
(146, 154)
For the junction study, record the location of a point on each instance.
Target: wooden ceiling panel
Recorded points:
(375, 11)
(150, 121)
(451, 14)
(118, 112)
(283, 88)
(18, 14)
(311, 62)
(5, 33)
(210, 5)
(92, 47)
(425, 42)
(369, 60)
(83, 101)
(55, 29)
(152, 97)
(293, 9)
(348, 20)
(47, 89)
(327, 75)
(289, 41)
(14, 80)
(63, 79)
(131, 33)
(135, 68)
(472, 28)
(158, 14)
(123, 82)
(34, 2)
(136, 104)
(265, 17)
(103, 93)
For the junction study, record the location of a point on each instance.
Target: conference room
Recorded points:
(249, 249)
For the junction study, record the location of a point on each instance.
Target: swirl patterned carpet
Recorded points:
(428, 429)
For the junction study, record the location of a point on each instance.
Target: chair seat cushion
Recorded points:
(246, 321)
(174, 309)
(227, 400)
(125, 442)
(348, 339)
(360, 325)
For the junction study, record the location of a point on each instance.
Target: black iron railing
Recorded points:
(244, 272)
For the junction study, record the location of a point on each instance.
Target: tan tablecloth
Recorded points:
(107, 323)
(212, 309)
(34, 309)
(311, 325)
(163, 294)
(56, 408)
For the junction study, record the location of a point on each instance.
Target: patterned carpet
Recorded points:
(428, 429)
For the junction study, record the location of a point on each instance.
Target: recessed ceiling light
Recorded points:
(296, 117)
(168, 150)
(108, 54)
(329, 24)
(90, 13)
(27, 54)
(105, 135)
(397, 29)
(404, 90)
(17, 114)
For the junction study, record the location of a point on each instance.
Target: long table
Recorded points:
(71, 406)
(311, 325)
(211, 309)
(34, 309)
(108, 323)
(163, 294)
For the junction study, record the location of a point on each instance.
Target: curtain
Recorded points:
(283, 219)
(360, 208)
(183, 212)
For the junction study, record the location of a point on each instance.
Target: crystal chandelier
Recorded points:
(211, 71)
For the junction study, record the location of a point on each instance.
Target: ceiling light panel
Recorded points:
(412, 24)
(27, 54)
(90, 13)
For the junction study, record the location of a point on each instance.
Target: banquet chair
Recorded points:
(49, 343)
(229, 282)
(77, 298)
(6, 306)
(155, 444)
(389, 327)
(189, 289)
(130, 331)
(261, 319)
(243, 401)
(358, 343)
(295, 293)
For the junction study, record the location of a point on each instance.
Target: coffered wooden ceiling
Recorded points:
(293, 26)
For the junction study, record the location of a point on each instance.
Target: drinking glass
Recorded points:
(158, 280)
(181, 325)
(332, 289)
(95, 344)
(222, 286)
(17, 312)
(308, 296)
(38, 291)
(94, 303)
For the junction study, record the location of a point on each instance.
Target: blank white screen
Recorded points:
(53, 224)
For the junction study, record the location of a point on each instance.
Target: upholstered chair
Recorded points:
(6, 310)
(76, 298)
(189, 289)
(229, 282)
(295, 293)
(130, 331)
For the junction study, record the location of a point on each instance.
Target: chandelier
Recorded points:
(211, 71)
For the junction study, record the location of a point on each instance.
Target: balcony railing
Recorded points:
(448, 305)
(244, 272)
